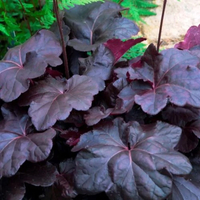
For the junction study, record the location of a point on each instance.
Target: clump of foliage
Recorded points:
(96, 127)
(20, 19)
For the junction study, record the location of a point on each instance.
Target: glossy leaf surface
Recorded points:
(129, 158)
(174, 77)
(27, 61)
(53, 99)
(18, 144)
(95, 23)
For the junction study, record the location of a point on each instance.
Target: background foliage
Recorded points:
(20, 19)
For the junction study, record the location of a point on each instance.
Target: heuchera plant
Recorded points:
(108, 129)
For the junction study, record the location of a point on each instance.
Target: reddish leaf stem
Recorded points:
(40, 4)
(161, 24)
(55, 2)
(25, 18)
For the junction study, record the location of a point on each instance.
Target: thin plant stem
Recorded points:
(40, 4)
(161, 24)
(25, 18)
(35, 11)
(62, 39)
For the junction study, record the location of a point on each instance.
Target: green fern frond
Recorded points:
(67, 4)
(3, 30)
(135, 51)
(137, 8)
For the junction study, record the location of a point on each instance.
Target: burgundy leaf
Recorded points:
(95, 114)
(175, 78)
(72, 136)
(191, 39)
(65, 179)
(27, 61)
(127, 158)
(119, 48)
(184, 189)
(53, 73)
(98, 23)
(98, 66)
(53, 99)
(17, 144)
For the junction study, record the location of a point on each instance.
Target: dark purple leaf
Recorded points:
(184, 189)
(65, 179)
(195, 127)
(98, 66)
(185, 117)
(65, 29)
(191, 39)
(53, 99)
(145, 67)
(119, 48)
(175, 78)
(18, 144)
(140, 73)
(73, 59)
(195, 51)
(27, 61)
(76, 118)
(194, 176)
(54, 193)
(95, 114)
(13, 188)
(111, 95)
(39, 174)
(188, 140)
(98, 23)
(136, 114)
(112, 90)
(180, 115)
(129, 158)
(121, 72)
(127, 95)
